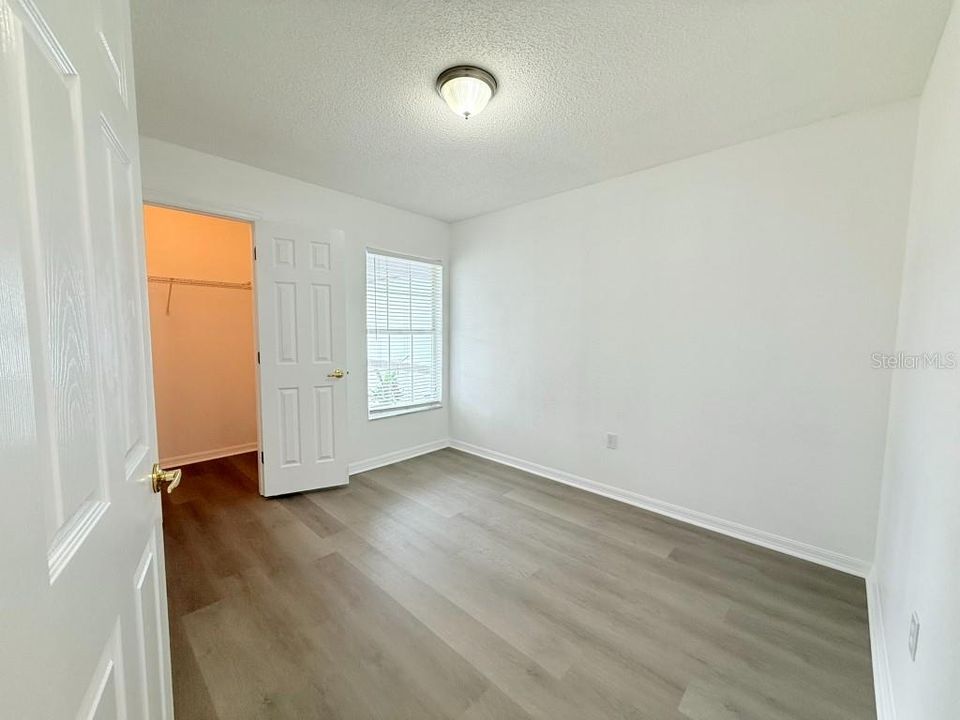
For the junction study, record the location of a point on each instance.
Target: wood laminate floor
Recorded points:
(451, 587)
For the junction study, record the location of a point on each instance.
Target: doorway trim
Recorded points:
(157, 198)
(189, 204)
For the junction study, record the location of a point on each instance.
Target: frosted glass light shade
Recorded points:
(467, 90)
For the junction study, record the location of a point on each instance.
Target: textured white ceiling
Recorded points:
(342, 93)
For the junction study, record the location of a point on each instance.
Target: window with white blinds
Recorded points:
(404, 334)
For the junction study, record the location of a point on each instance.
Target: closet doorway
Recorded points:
(203, 332)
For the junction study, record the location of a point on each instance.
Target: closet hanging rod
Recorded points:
(201, 283)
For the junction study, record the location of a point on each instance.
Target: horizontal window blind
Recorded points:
(404, 333)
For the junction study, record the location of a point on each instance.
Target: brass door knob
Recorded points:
(160, 476)
(338, 373)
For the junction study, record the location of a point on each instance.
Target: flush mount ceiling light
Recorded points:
(466, 89)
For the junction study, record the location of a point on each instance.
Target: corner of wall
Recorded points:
(882, 681)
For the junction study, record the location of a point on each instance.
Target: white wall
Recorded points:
(718, 313)
(918, 552)
(188, 178)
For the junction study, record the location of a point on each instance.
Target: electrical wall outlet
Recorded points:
(612, 441)
(914, 637)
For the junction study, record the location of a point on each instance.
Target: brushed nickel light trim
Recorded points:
(466, 71)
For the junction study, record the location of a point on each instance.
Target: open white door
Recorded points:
(83, 616)
(302, 334)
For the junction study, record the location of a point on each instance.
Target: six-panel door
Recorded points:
(83, 620)
(300, 306)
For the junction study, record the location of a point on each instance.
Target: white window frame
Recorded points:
(378, 414)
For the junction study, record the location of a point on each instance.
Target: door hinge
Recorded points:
(254, 252)
(258, 357)
(261, 458)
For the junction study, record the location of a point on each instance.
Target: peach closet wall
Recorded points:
(203, 349)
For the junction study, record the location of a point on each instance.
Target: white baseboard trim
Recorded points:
(196, 457)
(882, 684)
(396, 456)
(769, 540)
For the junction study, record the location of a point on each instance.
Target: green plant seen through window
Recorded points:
(386, 390)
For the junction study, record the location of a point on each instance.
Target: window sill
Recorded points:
(403, 411)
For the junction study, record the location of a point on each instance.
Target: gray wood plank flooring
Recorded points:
(451, 587)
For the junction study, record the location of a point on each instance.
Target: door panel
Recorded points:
(150, 623)
(59, 257)
(302, 334)
(322, 322)
(83, 627)
(106, 693)
(122, 261)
